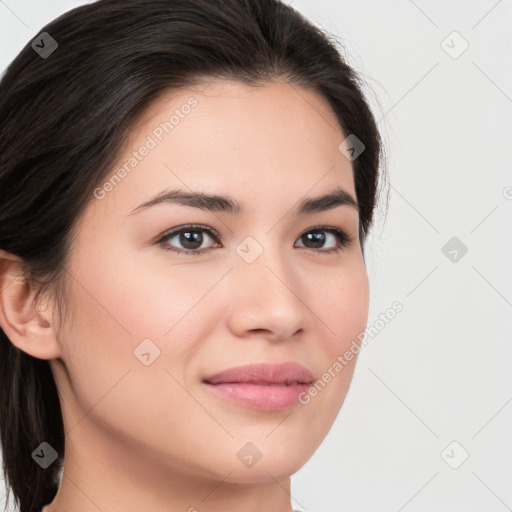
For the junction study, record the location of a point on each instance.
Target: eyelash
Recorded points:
(344, 240)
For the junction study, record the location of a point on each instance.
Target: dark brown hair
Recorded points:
(63, 121)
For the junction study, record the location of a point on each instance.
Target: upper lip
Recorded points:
(270, 373)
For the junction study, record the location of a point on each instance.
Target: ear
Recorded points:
(28, 327)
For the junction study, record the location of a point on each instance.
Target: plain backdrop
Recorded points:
(426, 425)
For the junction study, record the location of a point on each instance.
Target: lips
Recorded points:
(268, 387)
(284, 374)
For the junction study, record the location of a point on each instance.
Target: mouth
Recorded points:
(268, 387)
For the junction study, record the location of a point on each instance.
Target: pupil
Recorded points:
(316, 238)
(187, 238)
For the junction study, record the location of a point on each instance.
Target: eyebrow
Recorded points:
(216, 203)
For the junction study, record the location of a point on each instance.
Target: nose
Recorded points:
(269, 298)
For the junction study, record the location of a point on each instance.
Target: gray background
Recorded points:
(441, 370)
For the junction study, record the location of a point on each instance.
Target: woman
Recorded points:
(186, 187)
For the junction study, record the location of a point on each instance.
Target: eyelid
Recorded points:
(191, 227)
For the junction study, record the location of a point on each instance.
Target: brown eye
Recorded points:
(316, 238)
(191, 239)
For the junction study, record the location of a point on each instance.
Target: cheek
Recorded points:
(137, 295)
(343, 301)
(107, 323)
(120, 302)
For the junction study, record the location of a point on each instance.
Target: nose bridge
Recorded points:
(268, 290)
(263, 261)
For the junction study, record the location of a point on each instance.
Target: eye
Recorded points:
(341, 239)
(190, 236)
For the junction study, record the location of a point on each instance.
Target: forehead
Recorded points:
(277, 142)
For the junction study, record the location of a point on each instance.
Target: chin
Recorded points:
(278, 464)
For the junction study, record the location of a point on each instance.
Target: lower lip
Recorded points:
(265, 397)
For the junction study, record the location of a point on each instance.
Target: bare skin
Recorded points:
(153, 437)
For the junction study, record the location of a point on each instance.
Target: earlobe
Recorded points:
(26, 326)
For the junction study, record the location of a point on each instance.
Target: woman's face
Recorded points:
(147, 324)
